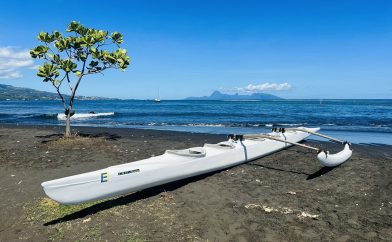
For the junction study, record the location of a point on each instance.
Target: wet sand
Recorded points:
(286, 196)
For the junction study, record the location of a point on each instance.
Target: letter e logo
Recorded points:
(104, 177)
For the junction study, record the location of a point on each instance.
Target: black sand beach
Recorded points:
(286, 196)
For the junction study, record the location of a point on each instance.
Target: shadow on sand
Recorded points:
(56, 136)
(278, 169)
(104, 135)
(322, 171)
(150, 192)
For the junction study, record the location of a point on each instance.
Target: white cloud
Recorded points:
(10, 75)
(264, 87)
(12, 61)
(35, 67)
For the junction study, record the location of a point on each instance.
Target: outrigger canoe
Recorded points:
(171, 166)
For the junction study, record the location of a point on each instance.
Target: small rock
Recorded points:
(257, 180)
(47, 152)
(87, 220)
(12, 175)
(292, 193)
(17, 141)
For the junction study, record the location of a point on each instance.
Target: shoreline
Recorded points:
(283, 196)
(358, 138)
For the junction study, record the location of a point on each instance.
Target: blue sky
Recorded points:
(294, 49)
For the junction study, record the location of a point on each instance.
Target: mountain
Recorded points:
(221, 96)
(8, 92)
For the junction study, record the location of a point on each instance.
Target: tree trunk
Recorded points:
(68, 124)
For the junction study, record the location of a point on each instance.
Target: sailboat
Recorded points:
(157, 100)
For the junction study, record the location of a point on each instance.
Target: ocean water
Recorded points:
(359, 121)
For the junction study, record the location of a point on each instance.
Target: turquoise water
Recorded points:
(360, 121)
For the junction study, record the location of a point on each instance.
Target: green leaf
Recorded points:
(110, 58)
(45, 37)
(57, 35)
(41, 74)
(93, 63)
(39, 51)
(73, 26)
(67, 65)
(81, 30)
(48, 71)
(99, 35)
(117, 37)
(56, 58)
(41, 36)
(62, 44)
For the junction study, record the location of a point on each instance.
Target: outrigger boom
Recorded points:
(317, 134)
(323, 156)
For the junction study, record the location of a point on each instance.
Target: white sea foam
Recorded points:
(205, 125)
(62, 116)
(299, 124)
(183, 125)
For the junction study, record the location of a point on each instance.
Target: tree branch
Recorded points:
(69, 82)
(58, 91)
(95, 71)
(77, 84)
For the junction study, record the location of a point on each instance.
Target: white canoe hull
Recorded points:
(139, 175)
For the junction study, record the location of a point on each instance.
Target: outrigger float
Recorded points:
(175, 165)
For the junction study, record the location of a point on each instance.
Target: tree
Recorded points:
(68, 59)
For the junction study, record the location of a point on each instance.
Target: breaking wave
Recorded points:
(61, 116)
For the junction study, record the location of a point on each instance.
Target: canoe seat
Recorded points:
(191, 152)
(222, 145)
